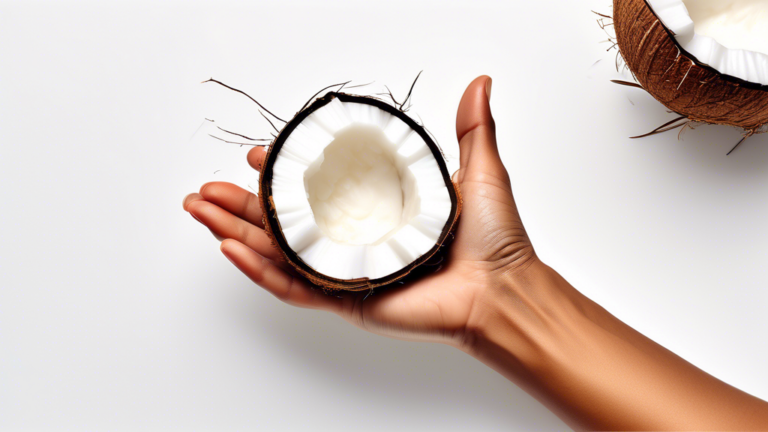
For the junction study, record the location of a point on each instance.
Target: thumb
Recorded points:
(476, 132)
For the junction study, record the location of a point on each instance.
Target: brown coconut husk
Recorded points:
(678, 80)
(425, 264)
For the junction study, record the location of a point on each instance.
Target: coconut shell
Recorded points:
(272, 223)
(677, 79)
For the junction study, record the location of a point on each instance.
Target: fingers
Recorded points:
(191, 198)
(293, 290)
(235, 200)
(228, 226)
(256, 157)
(476, 131)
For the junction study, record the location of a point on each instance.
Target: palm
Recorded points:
(438, 306)
(490, 239)
(433, 308)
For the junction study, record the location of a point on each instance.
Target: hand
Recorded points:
(494, 299)
(490, 243)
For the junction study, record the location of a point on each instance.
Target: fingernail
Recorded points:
(455, 176)
(195, 218)
(186, 200)
(204, 187)
(488, 85)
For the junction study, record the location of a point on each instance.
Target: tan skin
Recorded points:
(495, 300)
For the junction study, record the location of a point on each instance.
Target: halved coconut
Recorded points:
(705, 59)
(356, 194)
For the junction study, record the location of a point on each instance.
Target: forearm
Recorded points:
(593, 370)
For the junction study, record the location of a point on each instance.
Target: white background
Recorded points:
(118, 312)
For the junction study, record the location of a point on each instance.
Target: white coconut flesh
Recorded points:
(358, 193)
(731, 36)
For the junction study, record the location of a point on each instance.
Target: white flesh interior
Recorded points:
(358, 193)
(731, 36)
(736, 24)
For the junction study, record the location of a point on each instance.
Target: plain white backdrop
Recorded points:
(118, 312)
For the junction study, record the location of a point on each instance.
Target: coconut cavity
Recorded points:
(360, 189)
(358, 193)
(735, 24)
(729, 36)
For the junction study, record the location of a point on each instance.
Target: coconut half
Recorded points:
(704, 59)
(356, 194)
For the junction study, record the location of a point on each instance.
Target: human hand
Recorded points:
(490, 243)
(496, 300)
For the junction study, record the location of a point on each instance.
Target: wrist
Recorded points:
(591, 369)
(521, 318)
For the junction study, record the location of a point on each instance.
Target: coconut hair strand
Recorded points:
(246, 95)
